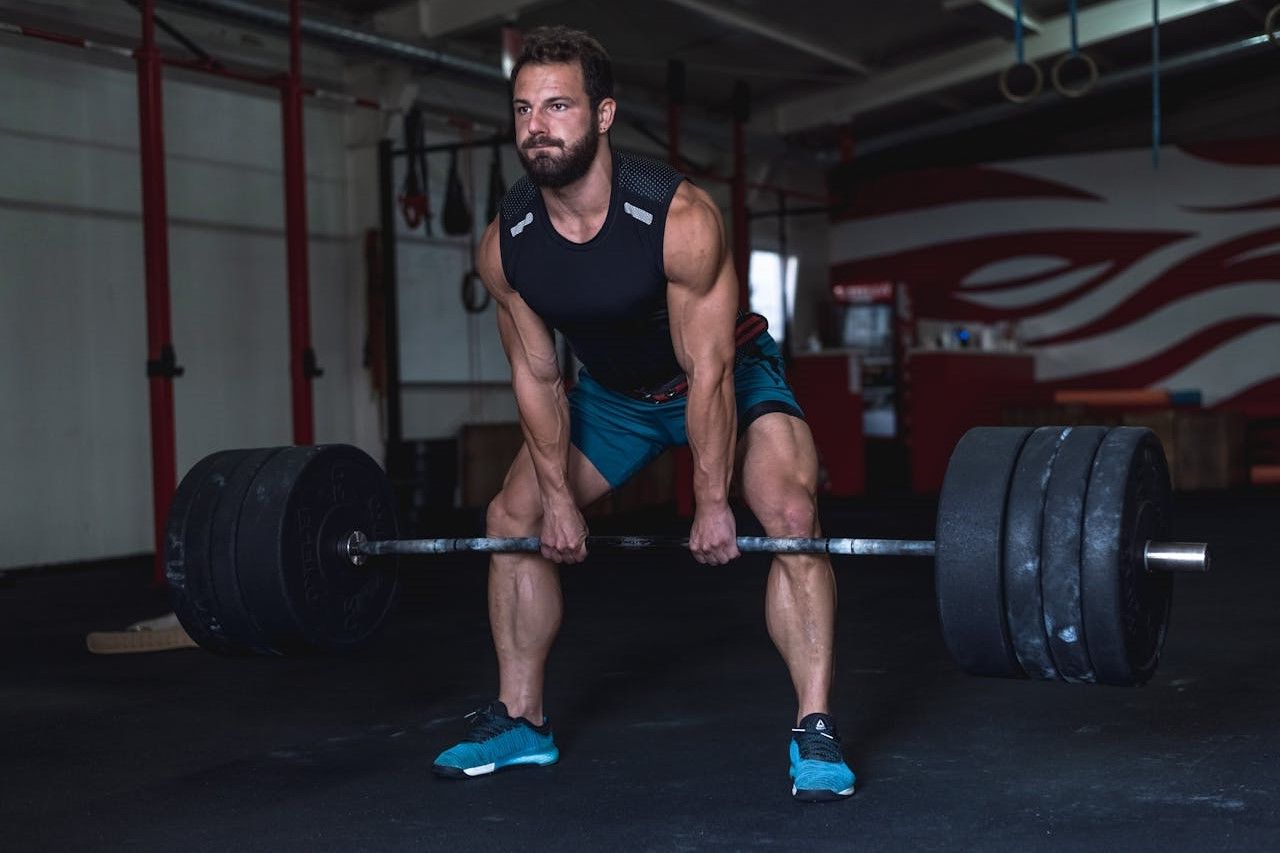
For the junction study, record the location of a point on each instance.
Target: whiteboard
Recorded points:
(439, 340)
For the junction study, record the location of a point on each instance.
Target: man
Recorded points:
(629, 262)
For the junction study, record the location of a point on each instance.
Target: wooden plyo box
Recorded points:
(1206, 450)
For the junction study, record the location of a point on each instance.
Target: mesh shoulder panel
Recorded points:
(517, 200)
(650, 179)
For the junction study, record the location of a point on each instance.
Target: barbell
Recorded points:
(1052, 552)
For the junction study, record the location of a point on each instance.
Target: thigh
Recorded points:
(521, 498)
(760, 385)
(780, 472)
(616, 435)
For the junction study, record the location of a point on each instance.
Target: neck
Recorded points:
(589, 195)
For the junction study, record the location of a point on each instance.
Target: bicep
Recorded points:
(702, 292)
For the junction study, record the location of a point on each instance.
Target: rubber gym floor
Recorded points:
(671, 709)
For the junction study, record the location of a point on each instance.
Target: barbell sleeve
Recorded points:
(1176, 556)
(1160, 556)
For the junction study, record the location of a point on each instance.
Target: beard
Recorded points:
(552, 172)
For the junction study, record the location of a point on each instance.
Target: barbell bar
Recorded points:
(1053, 557)
(1156, 556)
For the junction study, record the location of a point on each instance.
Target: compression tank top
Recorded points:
(607, 296)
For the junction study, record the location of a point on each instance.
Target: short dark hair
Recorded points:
(551, 45)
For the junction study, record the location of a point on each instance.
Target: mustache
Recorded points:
(542, 142)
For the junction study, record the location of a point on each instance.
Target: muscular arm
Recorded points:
(702, 299)
(541, 401)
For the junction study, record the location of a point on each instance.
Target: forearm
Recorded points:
(711, 423)
(544, 420)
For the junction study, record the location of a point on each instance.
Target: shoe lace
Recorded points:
(485, 724)
(816, 746)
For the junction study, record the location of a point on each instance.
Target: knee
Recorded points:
(796, 515)
(509, 517)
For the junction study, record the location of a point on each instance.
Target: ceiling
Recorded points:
(878, 71)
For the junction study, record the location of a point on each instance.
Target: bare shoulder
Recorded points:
(694, 242)
(692, 207)
(489, 263)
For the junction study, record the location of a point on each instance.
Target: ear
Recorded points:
(605, 113)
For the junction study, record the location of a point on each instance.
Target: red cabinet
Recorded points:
(950, 392)
(828, 386)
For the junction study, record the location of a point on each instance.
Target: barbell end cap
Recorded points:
(352, 548)
(1176, 556)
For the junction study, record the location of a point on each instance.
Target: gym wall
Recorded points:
(1114, 274)
(807, 240)
(74, 435)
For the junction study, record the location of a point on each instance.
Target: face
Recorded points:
(557, 132)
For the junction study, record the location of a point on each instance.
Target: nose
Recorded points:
(536, 126)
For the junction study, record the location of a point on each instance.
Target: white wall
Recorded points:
(443, 348)
(807, 239)
(74, 434)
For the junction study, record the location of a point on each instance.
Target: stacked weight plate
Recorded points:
(1040, 564)
(254, 555)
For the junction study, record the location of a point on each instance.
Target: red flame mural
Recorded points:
(1113, 273)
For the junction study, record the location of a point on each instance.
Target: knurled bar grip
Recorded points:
(1159, 556)
(746, 544)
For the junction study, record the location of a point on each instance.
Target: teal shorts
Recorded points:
(621, 434)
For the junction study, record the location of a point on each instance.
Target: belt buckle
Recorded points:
(654, 397)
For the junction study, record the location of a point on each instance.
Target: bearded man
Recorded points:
(628, 260)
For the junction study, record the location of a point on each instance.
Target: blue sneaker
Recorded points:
(818, 771)
(495, 741)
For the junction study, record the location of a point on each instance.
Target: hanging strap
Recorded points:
(1019, 49)
(1077, 58)
(1020, 61)
(497, 186)
(1075, 31)
(456, 215)
(1155, 83)
(415, 201)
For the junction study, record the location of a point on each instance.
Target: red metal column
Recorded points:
(155, 241)
(512, 44)
(741, 222)
(675, 101)
(302, 362)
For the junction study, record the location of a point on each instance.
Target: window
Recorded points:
(766, 277)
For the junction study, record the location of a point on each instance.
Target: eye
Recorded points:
(521, 110)
(560, 107)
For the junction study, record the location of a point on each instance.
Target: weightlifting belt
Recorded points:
(750, 326)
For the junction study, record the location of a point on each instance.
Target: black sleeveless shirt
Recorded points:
(607, 296)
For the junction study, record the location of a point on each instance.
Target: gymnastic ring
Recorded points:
(1272, 20)
(1091, 77)
(1031, 93)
